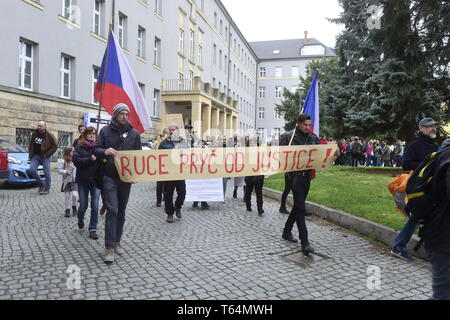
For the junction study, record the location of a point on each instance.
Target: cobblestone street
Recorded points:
(222, 253)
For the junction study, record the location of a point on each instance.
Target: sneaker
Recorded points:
(195, 205)
(204, 207)
(260, 212)
(401, 254)
(118, 249)
(44, 192)
(80, 224)
(93, 235)
(170, 218)
(67, 214)
(289, 237)
(178, 213)
(40, 188)
(109, 256)
(307, 249)
(284, 210)
(158, 204)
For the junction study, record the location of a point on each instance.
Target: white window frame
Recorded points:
(262, 72)
(278, 72)
(64, 72)
(157, 52)
(276, 132)
(122, 30)
(67, 9)
(278, 91)
(158, 7)
(94, 83)
(141, 42)
(181, 41)
(23, 59)
(261, 113)
(220, 59)
(277, 115)
(156, 99)
(192, 45)
(200, 55)
(262, 92)
(97, 15)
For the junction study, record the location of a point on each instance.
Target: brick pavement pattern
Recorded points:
(221, 253)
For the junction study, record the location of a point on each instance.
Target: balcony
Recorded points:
(190, 86)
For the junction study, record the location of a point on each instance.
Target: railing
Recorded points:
(178, 84)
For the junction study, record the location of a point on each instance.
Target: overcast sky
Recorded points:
(285, 19)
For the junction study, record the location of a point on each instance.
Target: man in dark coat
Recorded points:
(118, 135)
(437, 234)
(42, 146)
(415, 153)
(300, 181)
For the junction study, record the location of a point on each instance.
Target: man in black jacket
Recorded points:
(118, 135)
(300, 181)
(415, 153)
(437, 230)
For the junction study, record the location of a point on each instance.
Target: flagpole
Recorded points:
(103, 80)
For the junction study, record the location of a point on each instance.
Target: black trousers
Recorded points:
(159, 191)
(256, 182)
(287, 189)
(355, 159)
(169, 189)
(300, 189)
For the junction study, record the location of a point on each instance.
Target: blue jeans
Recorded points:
(83, 192)
(37, 160)
(401, 241)
(440, 263)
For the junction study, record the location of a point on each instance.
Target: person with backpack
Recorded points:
(415, 153)
(436, 230)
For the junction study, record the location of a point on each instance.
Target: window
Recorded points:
(25, 65)
(277, 92)
(142, 87)
(214, 82)
(277, 115)
(221, 27)
(295, 71)
(191, 74)
(191, 45)
(67, 9)
(312, 50)
(262, 92)
(141, 42)
(64, 140)
(157, 52)
(226, 64)
(95, 72)
(23, 137)
(215, 54)
(261, 113)
(260, 132)
(66, 76)
(158, 7)
(278, 72)
(262, 72)
(156, 102)
(98, 12)
(200, 49)
(215, 20)
(122, 30)
(181, 42)
(220, 59)
(226, 33)
(276, 132)
(276, 51)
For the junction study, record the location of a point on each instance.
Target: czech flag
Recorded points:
(311, 105)
(117, 84)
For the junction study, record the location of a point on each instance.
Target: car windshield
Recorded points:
(11, 147)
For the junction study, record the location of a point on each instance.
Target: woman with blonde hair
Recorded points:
(67, 170)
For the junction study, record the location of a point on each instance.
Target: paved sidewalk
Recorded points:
(222, 253)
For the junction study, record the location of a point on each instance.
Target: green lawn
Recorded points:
(360, 193)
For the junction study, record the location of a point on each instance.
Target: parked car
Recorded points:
(17, 163)
(4, 170)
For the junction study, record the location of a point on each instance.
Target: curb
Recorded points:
(381, 233)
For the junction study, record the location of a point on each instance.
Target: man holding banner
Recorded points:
(300, 181)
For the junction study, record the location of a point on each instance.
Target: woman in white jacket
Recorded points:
(67, 170)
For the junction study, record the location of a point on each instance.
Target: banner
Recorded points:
(184, 164)
(210, 190)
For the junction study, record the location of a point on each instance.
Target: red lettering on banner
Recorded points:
(276, 157)
(265, 168)
(226, 162)
(124, 166)
(242, 157)
(161, 164)
(213, 154)
(299, 159)
(136, 168)
(309, 161)
(193, 165)
(258, 164)
(148, 165)
(326, 157)
(182, 163)
(286, 157)
(204, 158)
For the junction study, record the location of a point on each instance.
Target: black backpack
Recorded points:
(421, 205)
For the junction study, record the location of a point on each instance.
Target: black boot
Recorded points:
(67, 215)
(249, 207)
(283, 210)
(288, 236)
(235, 193)
(307, 249)
(74, 210)
(260, 209)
